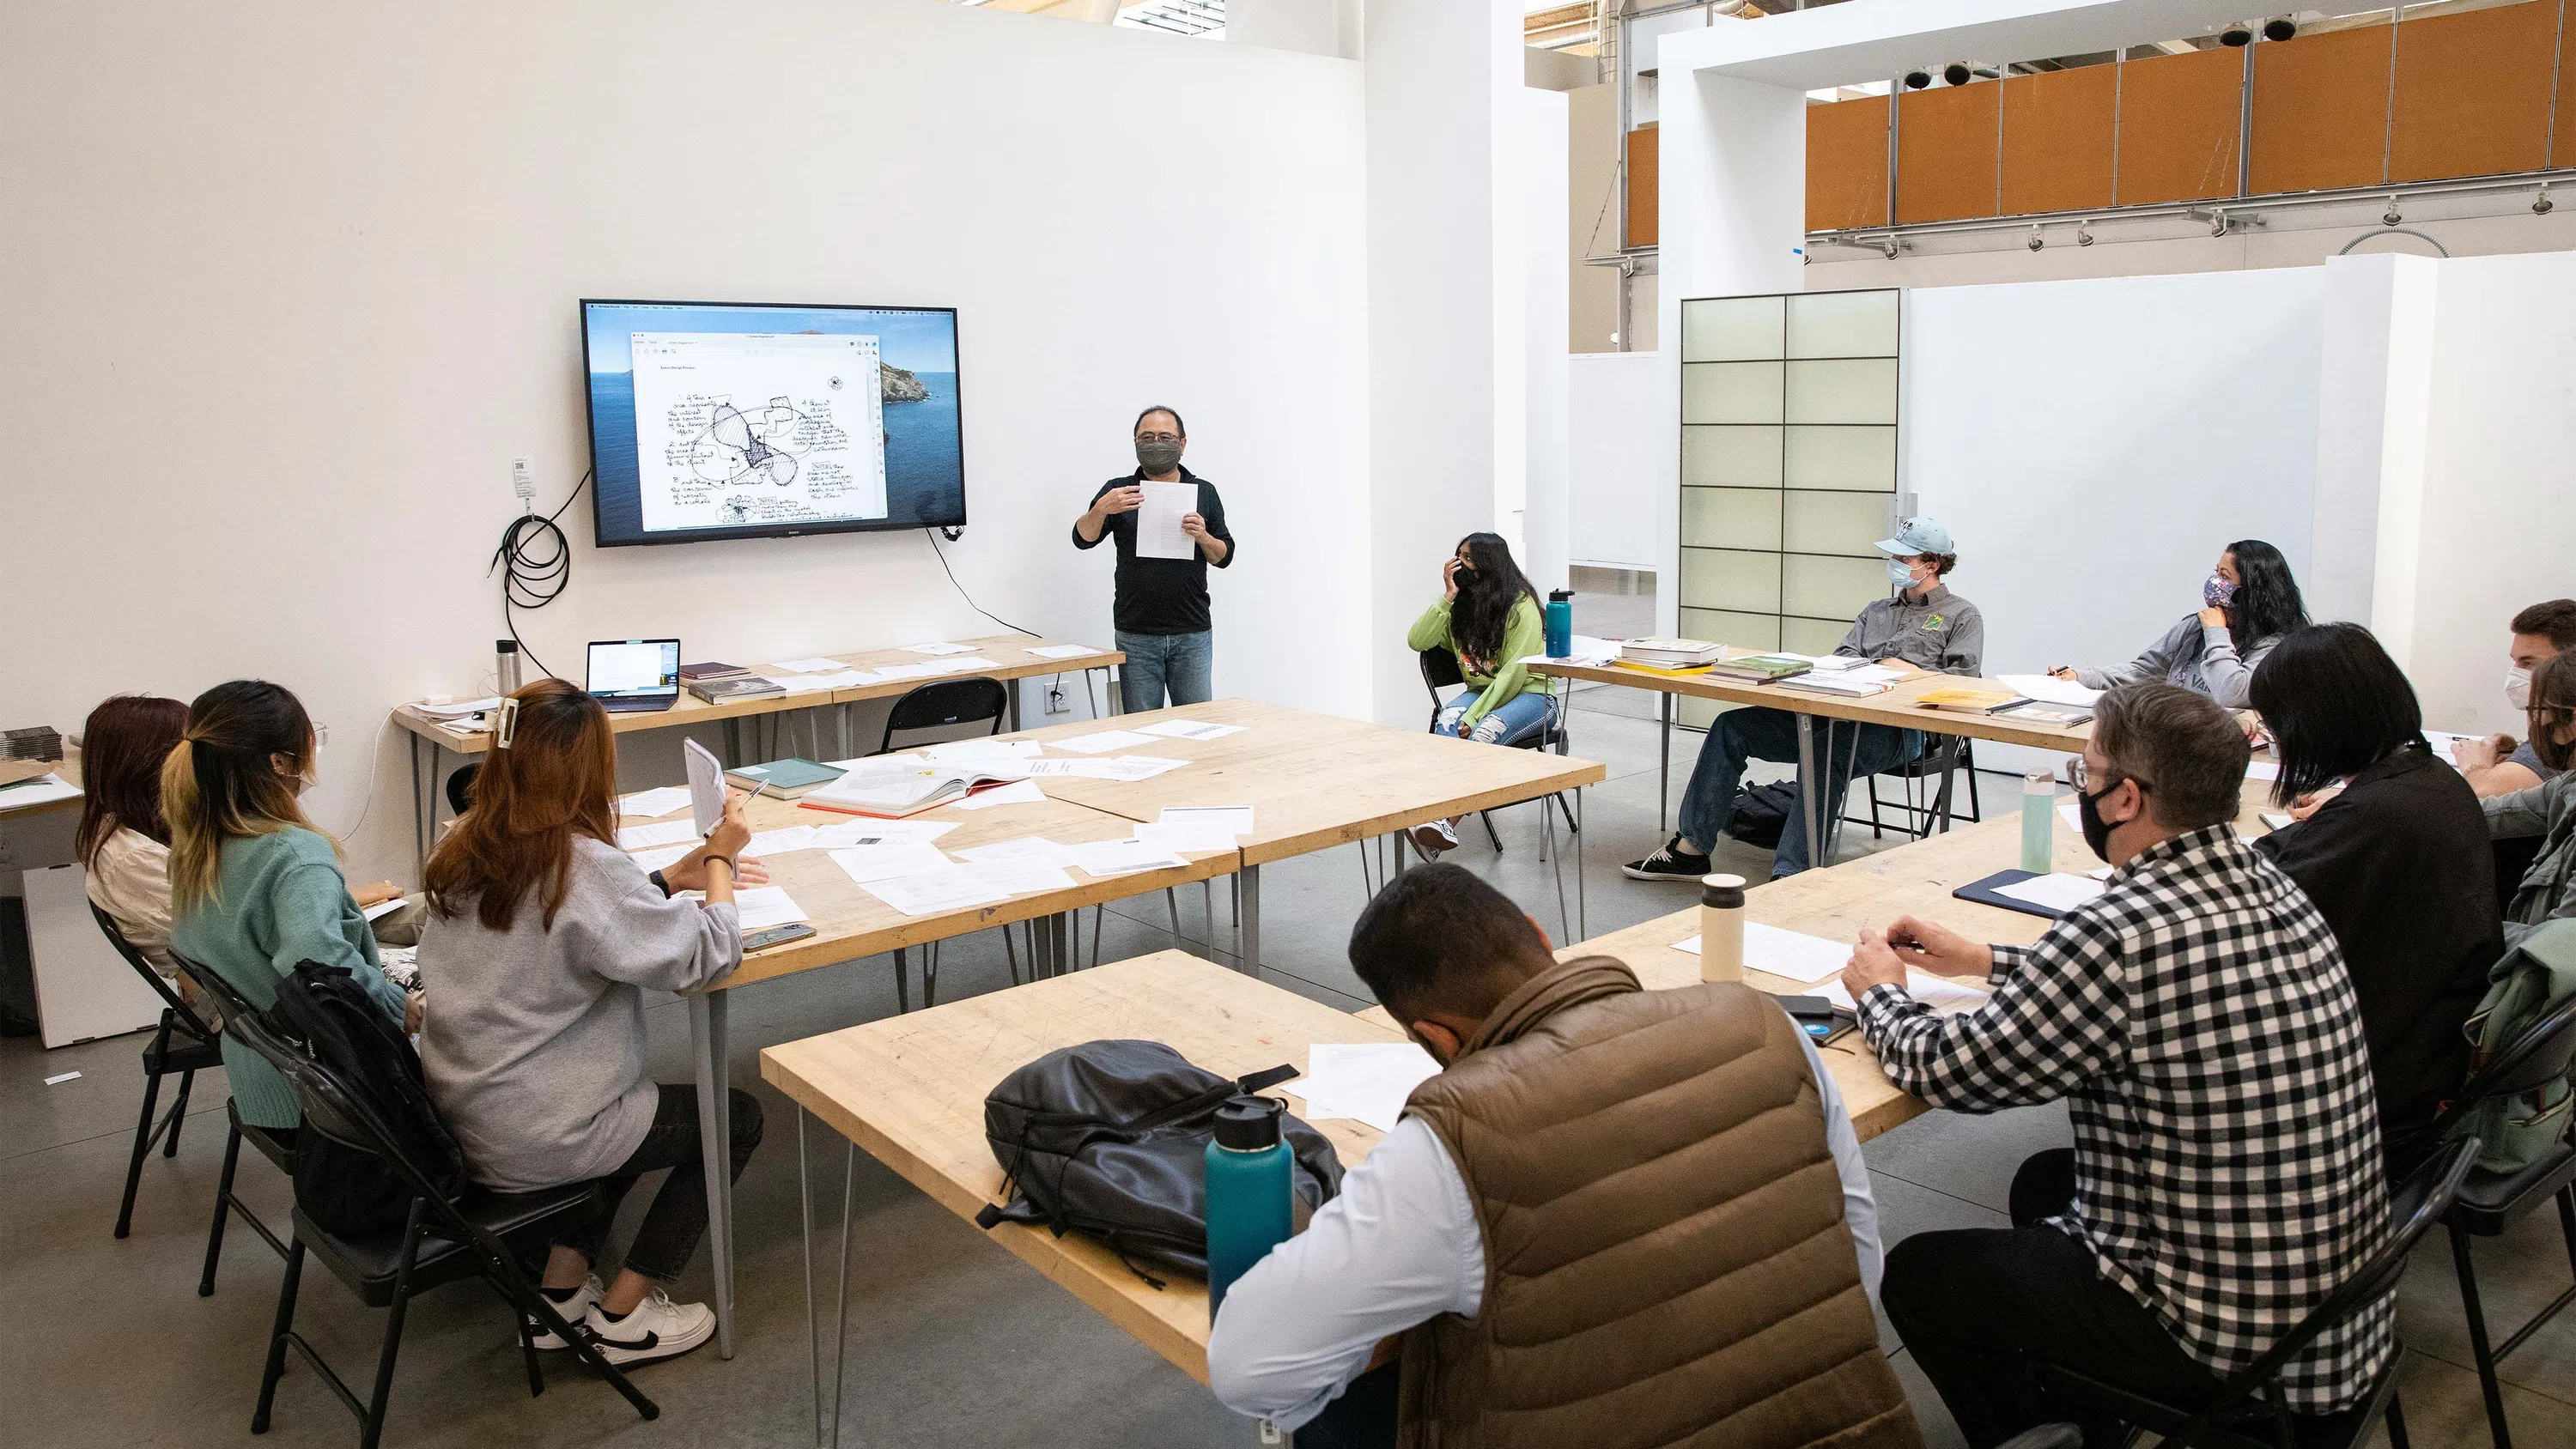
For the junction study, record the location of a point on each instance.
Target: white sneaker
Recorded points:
(572, 1309)
(657, 1329)
(1433, 838)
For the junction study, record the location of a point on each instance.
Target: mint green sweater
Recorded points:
(280, 899)
(1497, 681)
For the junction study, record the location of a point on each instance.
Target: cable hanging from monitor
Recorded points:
(932, 535)
(535, 560)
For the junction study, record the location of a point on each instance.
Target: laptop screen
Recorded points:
(634, 668)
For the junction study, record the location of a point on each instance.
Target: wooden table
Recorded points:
(1009, 653)
(1898, 708)
(910, 1089)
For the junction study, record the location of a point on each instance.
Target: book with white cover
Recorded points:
(1671, 652)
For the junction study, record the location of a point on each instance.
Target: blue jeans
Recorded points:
(1508, 723)
(1157, 662)
(1772, 734)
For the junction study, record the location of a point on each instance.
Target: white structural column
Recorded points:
(2374, 390)
(1545, 522)
(1447, 304)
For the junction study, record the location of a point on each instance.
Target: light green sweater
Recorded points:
(1497, 681)
(280, 900)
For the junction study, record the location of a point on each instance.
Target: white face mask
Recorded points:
(2517, 687)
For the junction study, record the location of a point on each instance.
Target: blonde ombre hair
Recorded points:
(222, 781)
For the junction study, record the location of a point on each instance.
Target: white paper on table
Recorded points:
(386, 908)
(1365, 1081)
(1121, 857)
(645, 804)
(1062, 651)
(2049, 689)
(1938, 993)
(757, 908)
(816, 665)
(2445, 743)
(1103, 742)
(799, 683)
(1835, 663)
(1020, 877)
(2056, 891)
(42, 790)
(939, 648)
(1186, 838)
(1027, 850)
(1018, 792)
(661, 858)
(1191, 729)
(929, 893)
(1129, 768)
(2262, 770)
(906, 671)
(961, 666)
(889, 859)
(844, 679)
(670, 832)
(706, 786)
(843, 836)
(1581, 649)
(1158, 520)
(971, 749)
(458, 709)
(1235, 819)
(1799, 957)
(781, 841)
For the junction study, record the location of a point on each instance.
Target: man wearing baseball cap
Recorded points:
(1921, 626)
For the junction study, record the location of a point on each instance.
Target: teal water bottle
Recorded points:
(1557, 622)
(2038, 821)
(1248, 1195)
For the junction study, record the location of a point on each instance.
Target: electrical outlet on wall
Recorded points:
(523, 479)
(1055, 699)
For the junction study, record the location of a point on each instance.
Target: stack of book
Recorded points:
(1763, 668)
(36, 742)
(1662, 653)
(718, 688)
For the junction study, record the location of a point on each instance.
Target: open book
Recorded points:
(892, 788)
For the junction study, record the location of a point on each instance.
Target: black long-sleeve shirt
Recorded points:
(1161, 595)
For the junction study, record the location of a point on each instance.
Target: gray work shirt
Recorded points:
(2199, 657)
(1944, 633)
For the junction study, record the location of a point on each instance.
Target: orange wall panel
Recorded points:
(2562, 131)
(2057, 139)
(2321, 111)
(1945, 152)
(1847, 164)
(2473, 92)
(2179, 119)
(1642, 181)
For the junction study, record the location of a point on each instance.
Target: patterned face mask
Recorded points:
(2216, 592)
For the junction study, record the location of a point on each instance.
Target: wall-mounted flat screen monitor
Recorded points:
(734, 420)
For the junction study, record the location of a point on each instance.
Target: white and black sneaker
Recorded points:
(657, 1329)
(1434, 838)
(1669, 863)
(572, 1308)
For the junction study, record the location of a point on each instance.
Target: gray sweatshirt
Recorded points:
(533, 1039)
(2548, 889)
(2199, 657)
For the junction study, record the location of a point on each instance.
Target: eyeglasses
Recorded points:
(2077, 775)
(1158, 437)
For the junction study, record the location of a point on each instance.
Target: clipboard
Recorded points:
(1989, 892)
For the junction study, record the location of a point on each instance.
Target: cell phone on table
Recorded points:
(776, 936)
(1819, 1018)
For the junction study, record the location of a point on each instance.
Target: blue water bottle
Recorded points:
(1248, 1195)
(1560, 623)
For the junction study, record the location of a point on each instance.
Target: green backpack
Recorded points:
(2533, 977)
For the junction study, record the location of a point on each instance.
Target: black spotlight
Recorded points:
(2238, 33)
(1916, 80)
(2280, 27)
(1956, 73)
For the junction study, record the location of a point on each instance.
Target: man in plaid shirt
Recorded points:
(2226, 1174)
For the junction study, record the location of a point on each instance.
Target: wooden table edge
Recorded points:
(1260, 851)
(1861, 709)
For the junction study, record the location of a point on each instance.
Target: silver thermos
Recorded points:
(506, 666)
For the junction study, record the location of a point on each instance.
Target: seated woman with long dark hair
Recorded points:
(1488, 616)
(2397, 861)
(541, 940)
(2247, 603)
(123, 844)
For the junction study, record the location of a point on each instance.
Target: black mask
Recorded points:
(2088, 813)
(1157, 457)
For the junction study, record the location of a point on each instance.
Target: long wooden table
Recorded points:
(433, 740)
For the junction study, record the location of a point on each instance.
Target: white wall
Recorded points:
(290, 282)
(1534, 503)
(1618, 491)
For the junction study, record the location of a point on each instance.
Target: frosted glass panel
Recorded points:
(1730, 518)
(1696, 713)
(1857, 458)
(1718, 578)
(1744, 631)
(1745, 456)
(1826, 588)
(1842, 324)
(1811, 636)
(1731, 329)
(1734, 392)
(1837, 392)
(1851, 523)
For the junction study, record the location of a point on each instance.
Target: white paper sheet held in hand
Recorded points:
(645, 804)
(1367, 1081)
(706, 785)
(669, 832)
(2057, 891)
(1793, 954)
(1158, 521)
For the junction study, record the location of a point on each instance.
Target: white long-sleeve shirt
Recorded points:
(1397, 1247)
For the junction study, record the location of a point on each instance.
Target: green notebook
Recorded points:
(784, 779)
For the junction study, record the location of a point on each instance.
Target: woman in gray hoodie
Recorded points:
(2247, 603)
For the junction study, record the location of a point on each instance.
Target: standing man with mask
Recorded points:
(1161, 609)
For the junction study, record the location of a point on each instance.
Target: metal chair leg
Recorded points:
(395, 1314)
(284, 1325)
(143, 1135)
(1488, 817)
(930, 978)
(178, 1115)
(1096, 913)
(527, 1350)
(2487, 1385)
(1013, 951)
(223, 1211)
(902, 983)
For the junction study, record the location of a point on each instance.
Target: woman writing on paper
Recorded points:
(1488, 617)
(542, 938)
(2247, 603)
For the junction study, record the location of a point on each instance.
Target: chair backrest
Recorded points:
(2538, 1055)
(460, 787)
(1440, 670)
(227, 997)
(948, 703)
(182, 1016)
(2413, 1208)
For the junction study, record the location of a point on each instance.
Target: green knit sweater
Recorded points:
(1497, 681)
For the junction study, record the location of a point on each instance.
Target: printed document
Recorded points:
(1158, 522)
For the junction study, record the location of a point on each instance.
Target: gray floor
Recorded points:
(955, 1342)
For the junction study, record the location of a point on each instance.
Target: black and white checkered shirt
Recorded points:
(2227, 1167)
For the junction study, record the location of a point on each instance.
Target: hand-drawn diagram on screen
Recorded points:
(735, 429)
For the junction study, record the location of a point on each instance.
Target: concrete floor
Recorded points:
(955, 1342)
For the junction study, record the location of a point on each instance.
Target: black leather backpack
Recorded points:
(1109, 1139)
(343, 1189)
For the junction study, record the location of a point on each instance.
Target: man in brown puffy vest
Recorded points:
(1619, 1218)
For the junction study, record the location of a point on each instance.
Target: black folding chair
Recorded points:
(1946, 755)
(1440, 671)
(477, 1234)
(460, 787)
(947, 704)
(184, 1043)
(2246, 1415)
(2491, 1202)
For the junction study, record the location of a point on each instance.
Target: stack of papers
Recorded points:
(645, 804)
(1190, 729)
(1581, 649)
(1845, 676)
(1062, 651)
(1365, 1082)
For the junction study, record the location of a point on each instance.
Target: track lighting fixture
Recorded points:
(1916, 80)
(2036, 239)
(1956, 73)
(2084, 232)
(2280, 27)
(2392, 215)
(2541, 205)
(2237, 33)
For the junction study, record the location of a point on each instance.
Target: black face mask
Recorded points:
(1157, 457)
(2088, 813)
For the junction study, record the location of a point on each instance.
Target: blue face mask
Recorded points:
(1900, 573)
(2216, 592)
